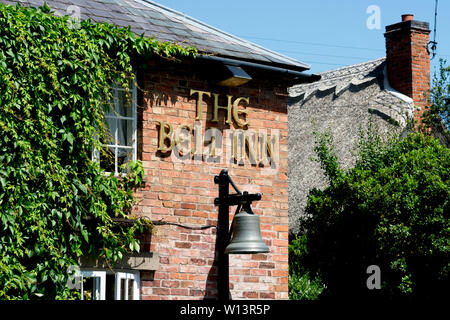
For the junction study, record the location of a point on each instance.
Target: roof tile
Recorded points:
(153, 19)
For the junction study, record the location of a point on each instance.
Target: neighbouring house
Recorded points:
(392, 91)
(188, 120)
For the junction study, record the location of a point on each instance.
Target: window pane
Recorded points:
(124, 104)
(91, 288)
(121, 131)
(123, 287)
(107, 159)
(110, 109)
(125, 133)
(124, 156)
(130, 289)
(88, 289)
(112, 125)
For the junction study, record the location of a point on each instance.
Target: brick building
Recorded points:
(188, 120)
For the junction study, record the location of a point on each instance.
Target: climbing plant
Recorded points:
(56, 204)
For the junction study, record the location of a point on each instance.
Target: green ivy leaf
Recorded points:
(53, 81)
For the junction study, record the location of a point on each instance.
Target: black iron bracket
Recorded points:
(238, 199)
(224, 201)
(234, 199)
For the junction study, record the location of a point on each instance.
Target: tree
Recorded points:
(55, 203)
(440, 98)
(390, 210)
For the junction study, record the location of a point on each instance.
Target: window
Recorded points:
(93, 285)
(108, 285)
(127, 286)
(120, 119)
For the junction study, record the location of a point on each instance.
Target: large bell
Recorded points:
(246, 233)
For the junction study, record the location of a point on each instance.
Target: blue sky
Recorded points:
(327, 34)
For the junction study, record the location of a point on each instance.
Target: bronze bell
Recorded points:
(246, 233)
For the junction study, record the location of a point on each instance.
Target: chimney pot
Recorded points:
(408, 60)
(407, 17)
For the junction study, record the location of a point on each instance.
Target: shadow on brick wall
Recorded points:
(211, 292)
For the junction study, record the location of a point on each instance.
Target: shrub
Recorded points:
(391, 210)
(301, 286)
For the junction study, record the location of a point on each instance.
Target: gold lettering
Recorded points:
(268, 146)
(262, 148)
(212, 150)
(252, 145)
(273, 149)
(198, 150)
(199, 101)
(229, 108)
(165, 136)
(214, 133)
(237, 146)
(237, 112)
(178, 139)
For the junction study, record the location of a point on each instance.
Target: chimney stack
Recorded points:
(408, 60)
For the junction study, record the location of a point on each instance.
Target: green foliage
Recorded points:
(327, 155)
(298, 250)
(55, 203)
(440, 97)
(391, 210)
(301, 286)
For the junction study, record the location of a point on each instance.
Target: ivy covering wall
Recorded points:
(55, 203)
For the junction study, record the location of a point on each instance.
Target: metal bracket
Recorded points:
(235, 199)
(224, 201)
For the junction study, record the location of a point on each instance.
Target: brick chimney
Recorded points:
(408, 60)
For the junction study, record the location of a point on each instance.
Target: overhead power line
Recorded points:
(323, 45)
(312, 43)
(326, 63)
(322, 55)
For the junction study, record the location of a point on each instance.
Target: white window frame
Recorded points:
(133, 118)
(99, 287)
(127, 276)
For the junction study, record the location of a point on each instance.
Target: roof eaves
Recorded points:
(279, 58)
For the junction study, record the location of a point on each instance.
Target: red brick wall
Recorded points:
(184, 191)
(408, 62)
